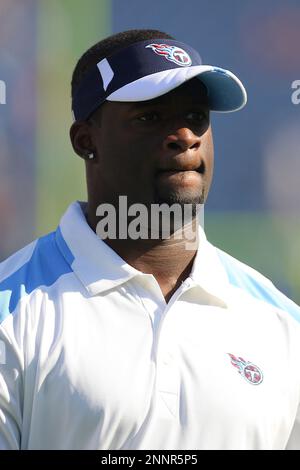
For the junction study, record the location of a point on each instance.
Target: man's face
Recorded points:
(153, 151)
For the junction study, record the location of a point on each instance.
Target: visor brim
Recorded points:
(225, 91)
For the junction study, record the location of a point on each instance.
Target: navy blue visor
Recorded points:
(148, 69)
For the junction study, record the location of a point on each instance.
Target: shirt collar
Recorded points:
(208, 272)
(100, 268)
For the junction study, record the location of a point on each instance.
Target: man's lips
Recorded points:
(173, 170)
(180, 172)
(176, 173)
(180, 180)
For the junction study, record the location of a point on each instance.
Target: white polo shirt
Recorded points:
(92, 357)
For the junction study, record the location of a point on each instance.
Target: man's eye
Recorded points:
(196, 116)
(148, 117)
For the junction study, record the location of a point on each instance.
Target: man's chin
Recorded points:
(181, 199)
(189, 204)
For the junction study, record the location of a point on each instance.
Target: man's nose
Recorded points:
(182, 139)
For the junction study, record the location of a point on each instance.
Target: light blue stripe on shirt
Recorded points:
(44, 267)
(239, 277)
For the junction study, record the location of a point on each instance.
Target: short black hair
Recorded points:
(109, 46)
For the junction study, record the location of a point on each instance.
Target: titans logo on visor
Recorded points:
(172, 53)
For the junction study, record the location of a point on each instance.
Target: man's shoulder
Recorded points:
(238, 270)
(255, 284)
(38, 264)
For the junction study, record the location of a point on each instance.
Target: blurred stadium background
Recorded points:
(254, 205)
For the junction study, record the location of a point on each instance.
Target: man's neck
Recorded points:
(169, 260)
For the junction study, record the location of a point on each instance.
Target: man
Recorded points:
(124, 342)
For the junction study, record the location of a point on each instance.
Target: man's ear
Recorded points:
(80, 135)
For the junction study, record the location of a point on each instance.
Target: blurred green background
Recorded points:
(60, 172)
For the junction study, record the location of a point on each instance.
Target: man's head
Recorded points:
(144, 115)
